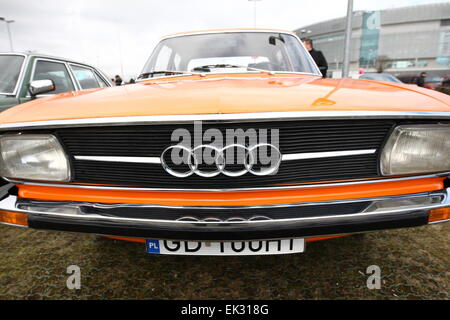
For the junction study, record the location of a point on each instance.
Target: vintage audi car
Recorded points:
(229, 143)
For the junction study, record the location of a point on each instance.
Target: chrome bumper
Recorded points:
(231, 222)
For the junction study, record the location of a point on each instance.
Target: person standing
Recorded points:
(446, 81)
(118, 80)
(318, 57)
(421, 79)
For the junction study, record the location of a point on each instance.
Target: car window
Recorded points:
(55, 71)
(85, 77)
(279, 61)
(10, 66)
(162, 63)
(294, 51)
(101, 81)
(176, 60)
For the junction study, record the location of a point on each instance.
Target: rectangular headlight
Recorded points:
(417, 149)
(33, 157)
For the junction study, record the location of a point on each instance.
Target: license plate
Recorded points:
(225, 248)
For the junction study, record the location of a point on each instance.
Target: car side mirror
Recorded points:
(40, 86)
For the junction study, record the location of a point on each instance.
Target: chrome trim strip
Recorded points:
(439, 221)
(285, 157)
(120, 159)
(213, 208)
(325, 154)
(75, 82)
(227, 117)
(299, 186)
(13, 225)
(382, 207)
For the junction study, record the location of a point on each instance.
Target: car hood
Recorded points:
(219, 94)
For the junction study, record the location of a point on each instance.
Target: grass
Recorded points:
(414, 265)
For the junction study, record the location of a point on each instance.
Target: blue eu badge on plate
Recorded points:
(152, 246)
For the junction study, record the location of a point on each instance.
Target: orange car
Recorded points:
(230, 143)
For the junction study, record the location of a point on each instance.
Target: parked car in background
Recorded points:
(230, 143)
(378, 77)
(431, 82)
(27, 76)
(445, 86)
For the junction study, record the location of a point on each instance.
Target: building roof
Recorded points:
(429, 12)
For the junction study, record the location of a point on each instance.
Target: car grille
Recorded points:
(295, 137)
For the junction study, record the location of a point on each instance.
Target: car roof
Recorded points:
(226, 30)
(45, 56)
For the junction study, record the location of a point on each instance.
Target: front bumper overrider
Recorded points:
(230, 222)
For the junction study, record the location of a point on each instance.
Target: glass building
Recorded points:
(399, 41)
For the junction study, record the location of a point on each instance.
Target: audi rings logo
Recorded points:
(228, 151)
(233, 160)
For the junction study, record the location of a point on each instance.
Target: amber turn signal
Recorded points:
(439, 214)
(11, 217)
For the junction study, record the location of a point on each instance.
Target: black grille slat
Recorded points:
(295, 137)
(152, 140)
(138, 174)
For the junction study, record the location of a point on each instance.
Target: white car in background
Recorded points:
(377, 77)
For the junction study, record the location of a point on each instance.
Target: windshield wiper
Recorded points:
(208, 67)
(198, 70)
(164, 72)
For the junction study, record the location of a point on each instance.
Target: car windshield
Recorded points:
(229, 53)
(10, 66)
(379, 77)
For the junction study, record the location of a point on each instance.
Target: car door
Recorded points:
(55, 70)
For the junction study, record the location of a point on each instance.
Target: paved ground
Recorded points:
(414, 265)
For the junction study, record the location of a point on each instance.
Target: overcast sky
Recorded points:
(115, 35)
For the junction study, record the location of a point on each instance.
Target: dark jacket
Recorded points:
(320, 61)
(421, 81)
(118, 81)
